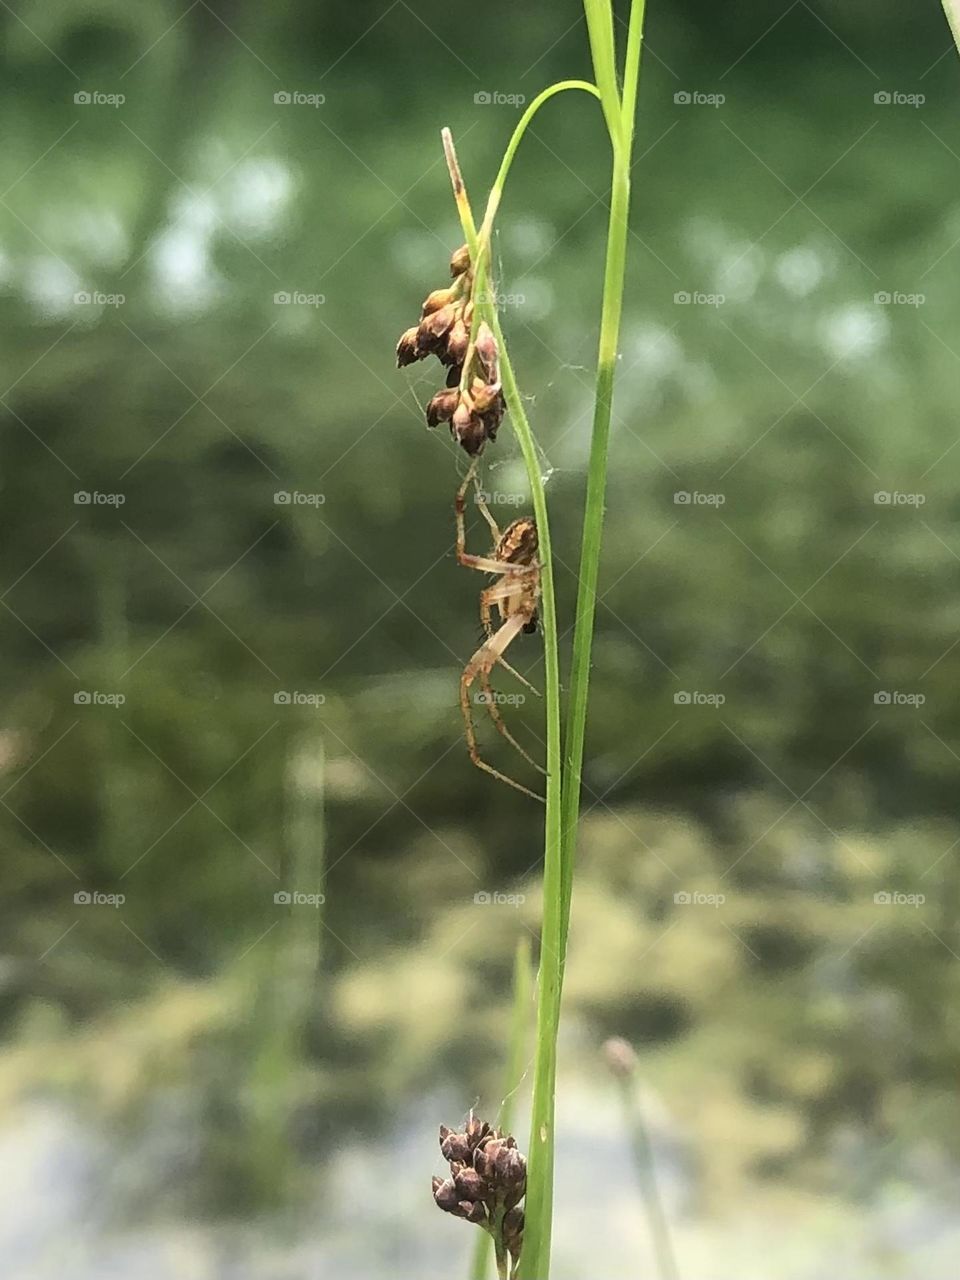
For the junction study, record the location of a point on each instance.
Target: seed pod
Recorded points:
(437, 299)
(441, 409)
(407, 348)
(513, 1232)
(445, 1194)
(488, 352)
(432, 331)
(458, 340)
(484, 396)
(459, 261)
(468, 430)
(469, 1184)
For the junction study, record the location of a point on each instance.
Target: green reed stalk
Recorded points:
(621, 141)
(563, 784)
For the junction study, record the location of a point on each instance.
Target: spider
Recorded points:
(515, 595)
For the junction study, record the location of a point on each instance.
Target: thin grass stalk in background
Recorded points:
(513, 1076)
(623, 1062)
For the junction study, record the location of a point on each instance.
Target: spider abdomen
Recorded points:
(519, 542)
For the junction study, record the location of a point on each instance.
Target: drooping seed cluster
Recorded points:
(488, 1179)
(472, 401)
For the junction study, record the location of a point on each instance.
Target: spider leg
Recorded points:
(486, 564)
(492, 594)
(485, 510)
(480, 665)
(490, 701)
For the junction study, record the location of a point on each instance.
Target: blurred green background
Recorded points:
(232, 628)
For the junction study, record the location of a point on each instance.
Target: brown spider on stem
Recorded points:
(515, 596)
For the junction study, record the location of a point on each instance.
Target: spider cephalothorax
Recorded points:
(514, 596)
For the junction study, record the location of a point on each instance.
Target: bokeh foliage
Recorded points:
(799, 599)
